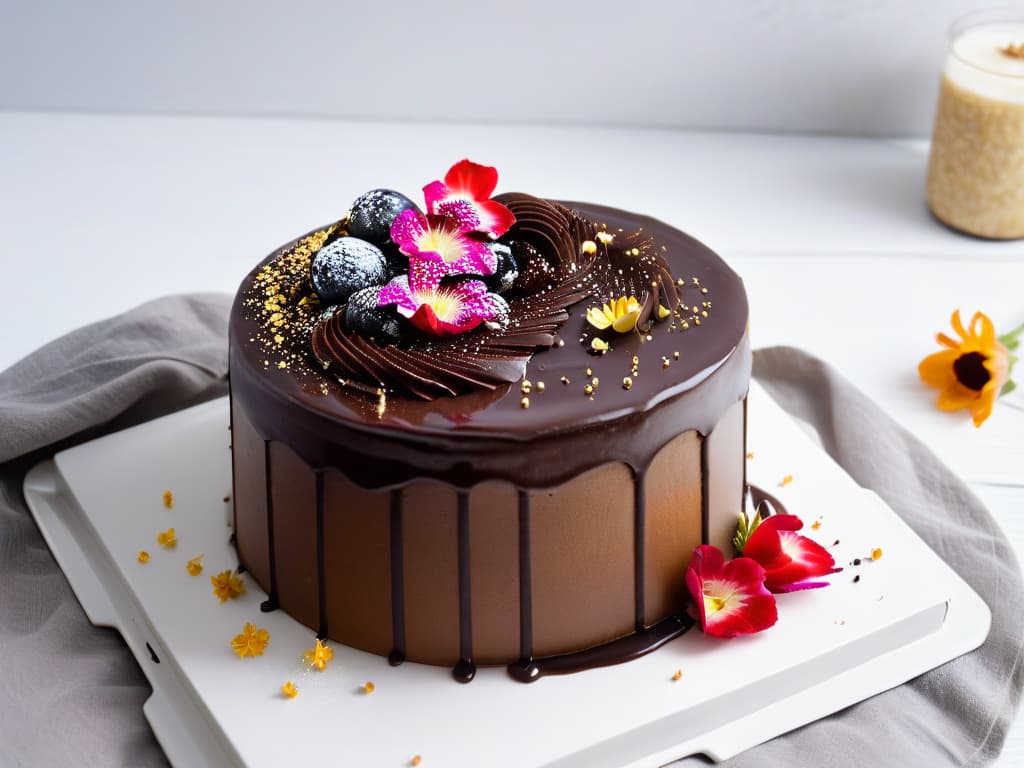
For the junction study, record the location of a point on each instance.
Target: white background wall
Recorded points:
(858, 66)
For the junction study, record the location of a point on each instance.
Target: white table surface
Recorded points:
(831, 235)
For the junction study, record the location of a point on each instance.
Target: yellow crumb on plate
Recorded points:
(143, 556)
(289, 691)
(168, 499)
(167, 538)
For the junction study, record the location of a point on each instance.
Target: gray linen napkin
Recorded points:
(71, 693)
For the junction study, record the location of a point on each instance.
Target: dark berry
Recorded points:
(506, 272)
(345, 266)
(362, 315)
(373, 212)
(501, 309)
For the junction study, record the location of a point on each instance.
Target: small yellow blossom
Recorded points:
(289, 691)
(252, 642)
(168, 499)
(319, 655)
(621, 314)
(599, 345)
(677, 675)
(167, 538)
(143, 556)
(369, 687)
(227, 584)
(194, 566)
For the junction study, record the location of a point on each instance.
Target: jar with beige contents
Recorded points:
(976, 169)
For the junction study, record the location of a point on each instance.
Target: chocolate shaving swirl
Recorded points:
(490, 357)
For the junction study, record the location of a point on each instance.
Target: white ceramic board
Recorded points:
(100, 503)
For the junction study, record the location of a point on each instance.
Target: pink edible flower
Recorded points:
(439, 310)
(438, 239)
(464, 196)
(790, 560)
(731, 598)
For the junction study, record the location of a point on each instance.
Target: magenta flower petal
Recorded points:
(439, 239)
(399, 293)
(440, 310)
(730, 597)
(789, 559)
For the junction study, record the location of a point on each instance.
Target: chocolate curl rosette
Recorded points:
(459, 298)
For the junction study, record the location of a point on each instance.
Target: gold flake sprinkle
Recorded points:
(588, 247)
(282, 365)
(588, 390)
(876, 553)
(525, 402)
(663, 312)
(786, 481)
(590, 371)
(599, 345)
(605, 237)
(595, 381)
(168, 499)
(526, 386)
(627, 382)
(194, 566)
(167, 539)
(750, 455)
(565, 380)
(382, 403)
(665, 362)
(634, 251)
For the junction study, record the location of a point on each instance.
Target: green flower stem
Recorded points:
(1011, 341)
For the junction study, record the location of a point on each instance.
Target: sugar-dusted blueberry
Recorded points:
(362, 315)
(506, 272)
(373, 212)
(345, 266)
(501, 307)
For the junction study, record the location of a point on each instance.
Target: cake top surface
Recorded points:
(574, 314)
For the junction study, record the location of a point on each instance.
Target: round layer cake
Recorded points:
(525, 492)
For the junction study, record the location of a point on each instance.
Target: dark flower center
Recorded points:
(970, 370)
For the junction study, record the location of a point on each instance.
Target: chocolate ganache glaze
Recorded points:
(527, 406)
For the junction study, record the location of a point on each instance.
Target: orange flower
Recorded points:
(973, 372)
(252, 642)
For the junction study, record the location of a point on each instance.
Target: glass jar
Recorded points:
(976, 167)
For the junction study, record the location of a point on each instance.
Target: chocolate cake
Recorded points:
(488, 434)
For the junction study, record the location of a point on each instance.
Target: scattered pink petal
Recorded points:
(790, 560)
(731, 598)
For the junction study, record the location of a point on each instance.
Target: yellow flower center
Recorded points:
(970, 371)
(714, 603)
(446, 305)
(442, 242)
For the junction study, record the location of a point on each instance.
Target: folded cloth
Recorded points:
(71, 693)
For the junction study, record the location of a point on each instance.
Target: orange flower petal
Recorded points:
(955, 398)
(957, 325)
(945, 341)
(936, 370)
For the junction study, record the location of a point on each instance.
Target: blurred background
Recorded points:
(866, 67)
